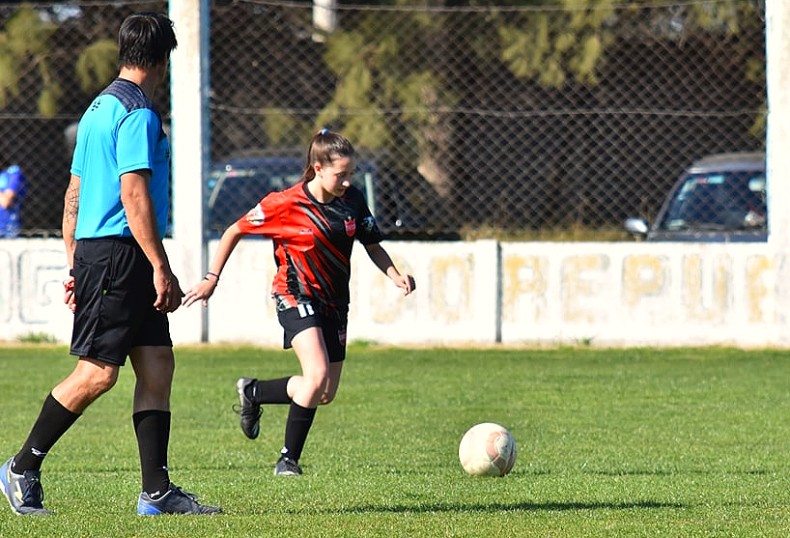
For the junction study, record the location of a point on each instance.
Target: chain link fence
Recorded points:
(526, 119)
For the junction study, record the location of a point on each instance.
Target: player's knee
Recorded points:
(316, 376)
(99, 383)
(154, 387)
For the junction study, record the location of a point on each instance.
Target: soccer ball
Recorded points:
(487, 449)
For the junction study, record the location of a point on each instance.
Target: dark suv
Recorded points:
(238, 183)
(719, 198)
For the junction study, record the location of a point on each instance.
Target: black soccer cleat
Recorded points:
(249, 412)
(287, 467)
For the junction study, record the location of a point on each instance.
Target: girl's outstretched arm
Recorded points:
(385, 264)
(205, 288)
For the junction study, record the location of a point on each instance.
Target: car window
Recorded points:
(234, 195)
(718, 201)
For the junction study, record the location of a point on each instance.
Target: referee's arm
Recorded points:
(71, 207)
(141, 216)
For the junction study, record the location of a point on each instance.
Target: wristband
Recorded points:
(215, 275)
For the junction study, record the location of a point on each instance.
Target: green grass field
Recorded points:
(637, 442)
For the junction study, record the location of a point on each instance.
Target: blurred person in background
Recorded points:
(12, 192)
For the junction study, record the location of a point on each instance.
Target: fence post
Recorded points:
(189, 75)
(777, 52)
(777, 57)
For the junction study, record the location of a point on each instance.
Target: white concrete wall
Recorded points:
(642, 294)
(455, 302)
(31, 290)
(620, 294)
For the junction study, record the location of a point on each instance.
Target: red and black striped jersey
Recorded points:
(312, 244)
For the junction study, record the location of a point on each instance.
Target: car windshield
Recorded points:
(718, 201)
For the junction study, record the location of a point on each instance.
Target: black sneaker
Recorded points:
(175, 501)
(23, 491)
(287, 467)
(250, 413)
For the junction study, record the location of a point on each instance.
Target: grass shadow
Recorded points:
(501, 507)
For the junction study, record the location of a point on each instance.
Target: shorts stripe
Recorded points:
(305, 310)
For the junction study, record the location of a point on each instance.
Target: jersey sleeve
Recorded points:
(138, 135)
(264, 218)
(368, 231)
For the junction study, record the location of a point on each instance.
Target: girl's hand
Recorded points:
(201, 291)
(406, 283)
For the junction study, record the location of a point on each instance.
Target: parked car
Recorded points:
(719, 198)
(236, 184)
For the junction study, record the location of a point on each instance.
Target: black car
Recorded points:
(719, 198)
(236, 184)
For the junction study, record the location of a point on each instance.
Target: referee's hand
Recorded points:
(168, 292)
(68, 293)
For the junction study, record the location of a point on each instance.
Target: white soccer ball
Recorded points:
(487, 449)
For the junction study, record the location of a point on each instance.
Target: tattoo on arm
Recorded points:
(72, 205)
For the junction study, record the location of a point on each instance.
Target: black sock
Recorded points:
(272, 391)
(296, 429)
(153, 434)
(53, 421)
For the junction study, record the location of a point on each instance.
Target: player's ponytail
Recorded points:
(324, 147)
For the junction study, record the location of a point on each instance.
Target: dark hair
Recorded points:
(145, 40)
(325, 147)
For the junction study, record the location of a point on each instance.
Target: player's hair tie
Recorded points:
(323, 132)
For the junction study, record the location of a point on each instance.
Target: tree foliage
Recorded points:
(24, 45)
(96, 65)
(549, 41)
(388, 85)
(27, 50)
(552, 45)
(548, 46)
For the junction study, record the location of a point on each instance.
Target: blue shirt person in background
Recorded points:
(12, 191)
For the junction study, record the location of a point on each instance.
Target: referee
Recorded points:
(120, 286)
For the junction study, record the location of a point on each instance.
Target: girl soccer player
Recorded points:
(313, 226)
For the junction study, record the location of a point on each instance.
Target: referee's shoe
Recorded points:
(23, 491)
(175, 501)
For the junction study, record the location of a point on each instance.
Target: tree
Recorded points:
(24, 47)
(27, 52)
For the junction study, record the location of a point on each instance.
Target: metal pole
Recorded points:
(777, 52)
(189, 75)
(324, 18)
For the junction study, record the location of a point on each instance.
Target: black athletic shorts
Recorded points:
(295, 320)
(115, 294)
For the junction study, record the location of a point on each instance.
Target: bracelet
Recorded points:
(215, 275)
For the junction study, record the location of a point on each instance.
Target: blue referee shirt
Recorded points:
(120, 132)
